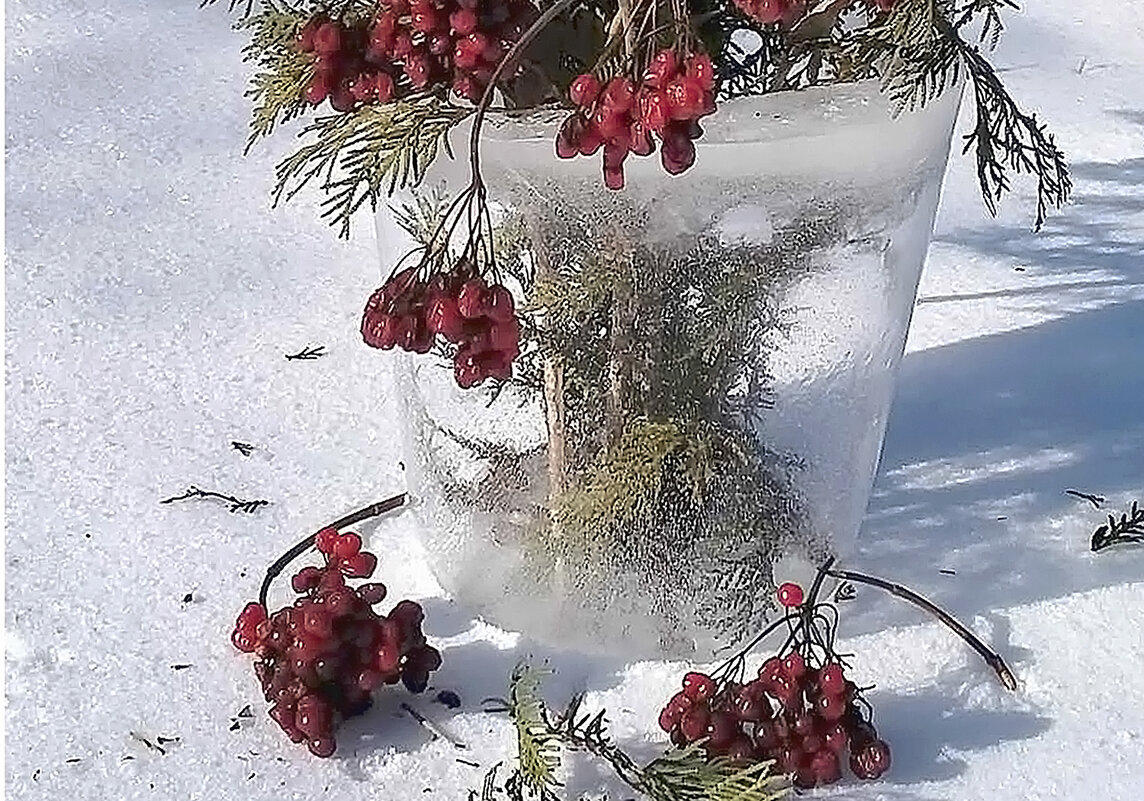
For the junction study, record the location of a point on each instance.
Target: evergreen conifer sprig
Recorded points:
(917, 49)
(1129, 528)
(685, 774)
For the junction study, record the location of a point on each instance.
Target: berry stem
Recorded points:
(283, 561)
(542, 22)
(991, 657)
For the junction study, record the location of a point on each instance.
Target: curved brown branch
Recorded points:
(991, 657)
(283, 561)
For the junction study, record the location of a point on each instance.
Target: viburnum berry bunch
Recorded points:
(800, 712)
(407, 46)
(673, 94)
(320, 660)
(473, 318)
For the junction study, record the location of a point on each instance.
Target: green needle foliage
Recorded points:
(918, 50)
(686, 774)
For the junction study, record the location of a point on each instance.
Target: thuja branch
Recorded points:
(1128, 529)
(687, 774)
(283, 561)
(236, 504)
(360, 156)
(1004, 137)
(991, 657)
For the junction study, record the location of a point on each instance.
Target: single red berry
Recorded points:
(568, 137)
(804, 778)
(306, 34)
(794, 666)
(340, 602)
(383, 86)
(328, 39)
(471, 300)
(661, 70)
(641, 141)
(790, 594)
(771, 669)
(618, 95)
(830, 707)
(700, 69)
(499, 304)
(584, 89)
(402, 45)
(767, 12)
(372, 593)
(812, 743)
(347, 545)
(721, 730)
(424, 19)
(360, 565)
(322, 746)
(871, 760)
(590, 140)
(463, 21)
(318, 89)
(252, 614)
(741, 749)
(766, 736)
(804, 725)
(831, 680)
(677, 154)
(750, 707)
(306, 579)
(684, 99)
(836, 738)
(654, 110)
(418, 68)
(824, 765)
(342, 99)
(698, 686)
(693, 723)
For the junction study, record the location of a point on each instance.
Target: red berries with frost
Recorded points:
(320, 660)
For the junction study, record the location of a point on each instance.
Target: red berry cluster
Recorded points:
(804, 719)
(620, 117)
(461, 307)
(320, 660)
(459, 42)
(410, 45)
(342, 70)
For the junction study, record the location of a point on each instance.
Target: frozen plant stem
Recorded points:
(283, 561)
(554, 408)
(991, 657)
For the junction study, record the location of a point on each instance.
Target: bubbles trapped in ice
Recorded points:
(748, 224)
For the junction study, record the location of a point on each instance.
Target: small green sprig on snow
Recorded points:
(686, 774)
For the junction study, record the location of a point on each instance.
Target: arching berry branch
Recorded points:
(283, 561)
(991, 657)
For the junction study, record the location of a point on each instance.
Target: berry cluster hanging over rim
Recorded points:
(637, 78)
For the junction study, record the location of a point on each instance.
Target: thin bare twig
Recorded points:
(307, 354)
(236, 504)
(1095, 500)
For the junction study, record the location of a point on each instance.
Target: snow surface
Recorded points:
(151, 297)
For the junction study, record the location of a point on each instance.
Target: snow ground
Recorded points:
(151, 295)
